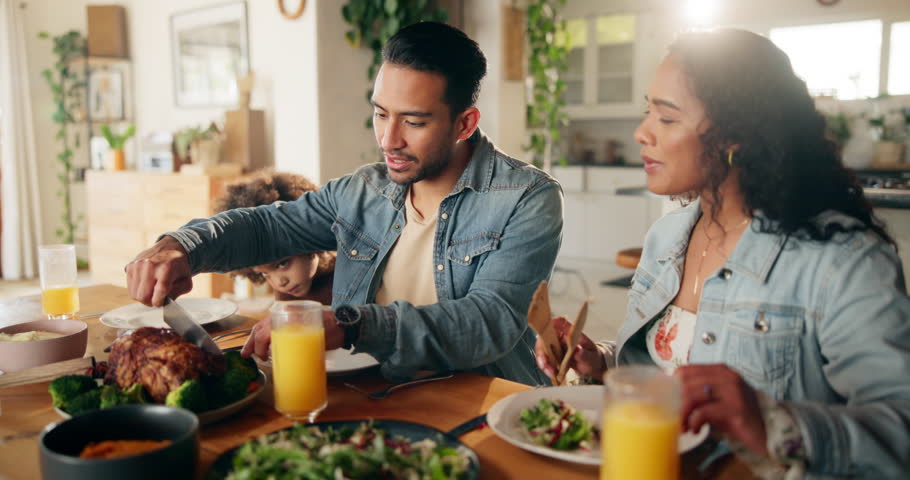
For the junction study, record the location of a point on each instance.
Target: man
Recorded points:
(439, 248)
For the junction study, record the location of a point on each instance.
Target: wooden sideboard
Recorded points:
(127, 211)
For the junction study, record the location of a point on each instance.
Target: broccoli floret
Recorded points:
(86, 402)
(190, 395)
(234, 385)
(243, 367)
(65, 389)
(111, 395)
(136, 394)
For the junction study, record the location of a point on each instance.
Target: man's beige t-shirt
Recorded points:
(409, 271)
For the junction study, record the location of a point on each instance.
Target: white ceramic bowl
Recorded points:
(16, 356)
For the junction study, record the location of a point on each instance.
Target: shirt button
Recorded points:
(726, 273)
(762, 325)
(445, 216)
(707, 338)
(396, 226)
(467, 258)
(354, 252)
(439, 267)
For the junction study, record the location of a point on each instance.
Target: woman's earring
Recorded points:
(730, 157)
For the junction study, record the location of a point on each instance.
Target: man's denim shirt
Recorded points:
(822, 327)
(498, 234)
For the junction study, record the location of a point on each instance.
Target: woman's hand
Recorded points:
(586, 360)
(718, 396)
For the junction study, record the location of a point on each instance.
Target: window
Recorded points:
(837, 59)
(899, 67)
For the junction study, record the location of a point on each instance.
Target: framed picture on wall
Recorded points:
(210, 49)
(105, 95)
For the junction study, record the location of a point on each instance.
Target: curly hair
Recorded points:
(788, 170)
(265, 189)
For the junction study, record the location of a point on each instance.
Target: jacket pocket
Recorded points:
(468, 251)
(465, 256)
(763, 345)
(356, 255)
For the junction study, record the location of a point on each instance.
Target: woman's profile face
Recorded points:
(291, 275)
(669, 133)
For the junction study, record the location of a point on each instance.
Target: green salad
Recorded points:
(555, 424)
(307, 452)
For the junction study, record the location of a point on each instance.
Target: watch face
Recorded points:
(346, 314)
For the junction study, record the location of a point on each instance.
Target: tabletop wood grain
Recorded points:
(25, 410)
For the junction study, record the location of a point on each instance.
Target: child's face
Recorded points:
(291, 275)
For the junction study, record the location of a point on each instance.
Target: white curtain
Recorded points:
(18, 161)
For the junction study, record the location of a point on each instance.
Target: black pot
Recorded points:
(61, 444)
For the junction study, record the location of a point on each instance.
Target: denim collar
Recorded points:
(752, 256)
(478, 175)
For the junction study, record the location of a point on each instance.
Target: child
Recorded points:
(300, 277)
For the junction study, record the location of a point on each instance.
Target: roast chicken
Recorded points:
(160, 360)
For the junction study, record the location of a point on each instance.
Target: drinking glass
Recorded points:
(641, 424)
(298, 359)
(59, 294)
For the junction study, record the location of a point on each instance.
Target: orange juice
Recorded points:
(639, 441)
(60, 301)
(298, 369)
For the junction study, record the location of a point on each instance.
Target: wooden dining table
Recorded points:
(25, 409)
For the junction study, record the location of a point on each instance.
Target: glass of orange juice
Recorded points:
(298, 359)
(59, 294)
(640, 424)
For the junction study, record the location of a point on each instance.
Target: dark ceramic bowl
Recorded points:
(61, 443)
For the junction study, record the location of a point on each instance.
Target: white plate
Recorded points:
(212, 416)
(503, 418)
(337, 362)
(136, 315)
(342, 362)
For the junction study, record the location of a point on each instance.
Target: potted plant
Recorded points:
(116, 142)
(198, 145)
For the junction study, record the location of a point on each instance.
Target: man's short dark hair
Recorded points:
(443, 49)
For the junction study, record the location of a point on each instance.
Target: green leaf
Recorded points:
(391, 7)
(353, 38)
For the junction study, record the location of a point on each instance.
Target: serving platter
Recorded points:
(212, 416)
(410, 430)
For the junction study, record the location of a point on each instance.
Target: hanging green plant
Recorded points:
(548, 58)
(374, 22)
(68, 88)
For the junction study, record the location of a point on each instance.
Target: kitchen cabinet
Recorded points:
(598, 222)
(128, 211)
(897, 222)
(607, 64)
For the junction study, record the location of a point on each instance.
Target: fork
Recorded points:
(380, 394)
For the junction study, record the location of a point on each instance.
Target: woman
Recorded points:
(775, 295)
(300, 277)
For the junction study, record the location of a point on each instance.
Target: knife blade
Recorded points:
(469, 426)
(178, 319)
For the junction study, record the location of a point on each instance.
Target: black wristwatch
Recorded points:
(348, 318)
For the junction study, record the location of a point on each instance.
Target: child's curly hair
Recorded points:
(265, 189)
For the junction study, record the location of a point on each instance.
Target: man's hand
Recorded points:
(334, 334)
(160, 271)
(260, 338)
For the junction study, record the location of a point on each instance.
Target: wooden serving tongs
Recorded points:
(540, 319)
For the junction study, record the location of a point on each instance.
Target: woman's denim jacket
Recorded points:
(497, 237)
(822, 327)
